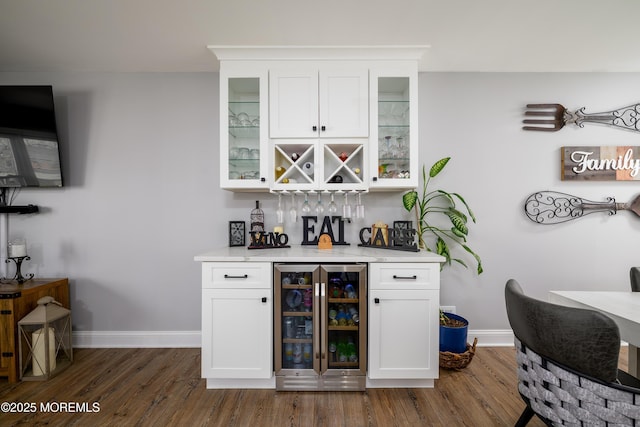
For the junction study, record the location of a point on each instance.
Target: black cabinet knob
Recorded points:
(263, 179)
(323, 128)
(376, 300)
(375, 178)
(264, 299)
(315, 128)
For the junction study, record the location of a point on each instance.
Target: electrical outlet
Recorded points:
(448, 308)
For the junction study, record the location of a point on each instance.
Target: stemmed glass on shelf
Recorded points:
(346, 208)
(306, 209)
(359, 207)
(333, 207)
(319, 206)
(280, 210)
(293, 212)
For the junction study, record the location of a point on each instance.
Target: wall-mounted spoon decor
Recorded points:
(555, 116)
(551, 207)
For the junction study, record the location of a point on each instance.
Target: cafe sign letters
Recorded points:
(607, 163)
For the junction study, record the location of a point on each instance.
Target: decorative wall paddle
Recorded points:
(551, 207)
(557, 116)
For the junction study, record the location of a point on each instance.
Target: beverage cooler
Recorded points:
(320, 326)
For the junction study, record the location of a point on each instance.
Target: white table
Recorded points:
(622, 307)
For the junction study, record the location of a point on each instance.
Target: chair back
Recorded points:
(584, 340)
(634, 276)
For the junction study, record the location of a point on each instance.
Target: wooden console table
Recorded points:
(16, 301)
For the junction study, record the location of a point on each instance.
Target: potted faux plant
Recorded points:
(429, 206)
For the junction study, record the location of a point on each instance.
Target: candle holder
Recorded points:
(18, 276)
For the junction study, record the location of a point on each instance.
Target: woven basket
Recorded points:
(451, 360)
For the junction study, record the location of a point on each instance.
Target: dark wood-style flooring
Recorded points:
(162, 387)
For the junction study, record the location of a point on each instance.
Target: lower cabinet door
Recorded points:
(236, 333)
(403, 334)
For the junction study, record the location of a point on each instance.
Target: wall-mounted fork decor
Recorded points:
(551, 207)
(556, 116)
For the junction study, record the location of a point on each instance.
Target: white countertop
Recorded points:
(351, 253)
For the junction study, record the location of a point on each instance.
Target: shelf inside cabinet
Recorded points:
(245, 132)
(297, 340)
(343, 300)
(393, 132)
(244, 115)
(343, 328)
(296, 286)
(344, 364)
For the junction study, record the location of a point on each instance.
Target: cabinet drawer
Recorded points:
(404, 276)
(244, 275)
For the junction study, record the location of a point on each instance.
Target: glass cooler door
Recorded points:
(297, 292)
(344, 317)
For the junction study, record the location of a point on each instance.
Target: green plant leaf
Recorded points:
(458, 222)
(443, 249)
(468, 249)
(459, 213)
(473, 217)
(409, 200)
(459, 261)
(459, 233)
(438, 166)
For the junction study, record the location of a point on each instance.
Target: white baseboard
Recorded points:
(491, 337)
(136, 339)
(191, 339)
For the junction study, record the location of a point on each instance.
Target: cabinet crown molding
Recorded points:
(313, 53)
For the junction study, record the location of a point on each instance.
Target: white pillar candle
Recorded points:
(17, 250)
(39, 360)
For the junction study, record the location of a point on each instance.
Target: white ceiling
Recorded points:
(464, 35)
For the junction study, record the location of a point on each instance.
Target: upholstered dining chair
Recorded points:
(568, 364)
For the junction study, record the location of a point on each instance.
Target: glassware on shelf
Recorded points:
(333, 207)
(243, 119)
(293, 212)
(280, 210)
(359, 207)
(233, 120)
(388, 145)
(319, 206)
(306, 208)
(346, 208)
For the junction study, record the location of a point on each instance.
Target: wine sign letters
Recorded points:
(263, 240)
(608, 163)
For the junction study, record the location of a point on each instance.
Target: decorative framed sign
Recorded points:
(607, 163)
(401, 228)
(237, 233)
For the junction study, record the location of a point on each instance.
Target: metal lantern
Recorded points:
(45, 341)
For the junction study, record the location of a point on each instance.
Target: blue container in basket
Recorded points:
(454, 339)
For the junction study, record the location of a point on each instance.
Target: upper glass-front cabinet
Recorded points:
(394, 130)
(244, 142)
(318, 118)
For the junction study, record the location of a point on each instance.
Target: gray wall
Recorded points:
(140, 161)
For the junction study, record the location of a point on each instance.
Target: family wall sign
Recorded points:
(606, 163)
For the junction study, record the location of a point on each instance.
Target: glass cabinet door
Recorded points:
(395, 133)
(296, 307)
(243, 139)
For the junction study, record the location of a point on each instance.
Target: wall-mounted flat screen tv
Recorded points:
(29, 149)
